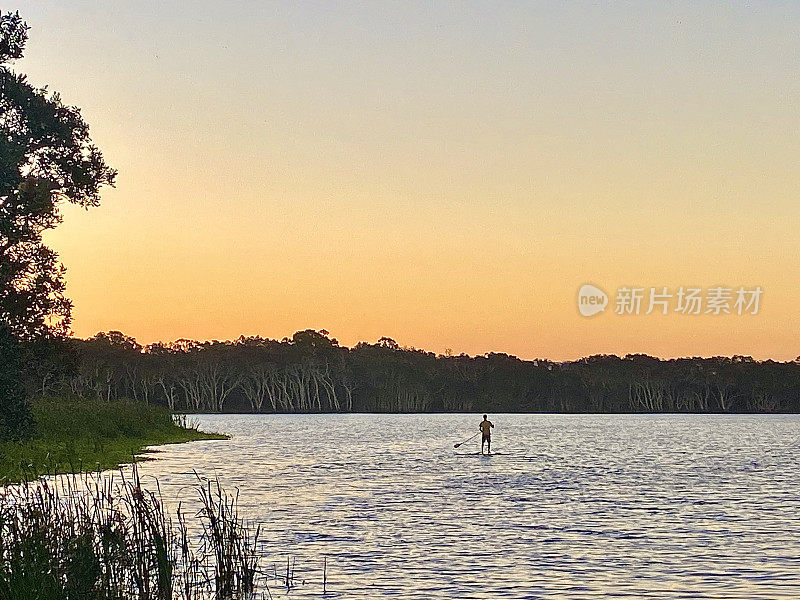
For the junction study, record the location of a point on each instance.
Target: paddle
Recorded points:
(465, 441)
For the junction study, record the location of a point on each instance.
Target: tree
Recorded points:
(15, 418)
(46, 157)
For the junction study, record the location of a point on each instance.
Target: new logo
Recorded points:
(591, 300)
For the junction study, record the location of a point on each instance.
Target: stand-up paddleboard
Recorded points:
(473, 454)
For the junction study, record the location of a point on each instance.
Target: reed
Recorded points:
(106, 537)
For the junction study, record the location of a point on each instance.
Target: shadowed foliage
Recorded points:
(46, 157)
(311, 372)
(15, 418)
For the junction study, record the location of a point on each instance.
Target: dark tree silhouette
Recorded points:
(15, 418)
(46, 156)
(311, 372)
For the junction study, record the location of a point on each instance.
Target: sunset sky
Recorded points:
(444, 173)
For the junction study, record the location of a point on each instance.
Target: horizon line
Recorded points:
(325, 333)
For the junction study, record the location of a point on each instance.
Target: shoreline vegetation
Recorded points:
(107, 537)
(72, 435)
(311, 373)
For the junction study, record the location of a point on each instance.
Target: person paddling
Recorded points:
(486, 429)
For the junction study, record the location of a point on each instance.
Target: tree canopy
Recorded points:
(312, 372)
(46, 157)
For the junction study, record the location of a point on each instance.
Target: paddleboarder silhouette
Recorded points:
(486, 429)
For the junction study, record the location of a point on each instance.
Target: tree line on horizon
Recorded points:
(310, 372)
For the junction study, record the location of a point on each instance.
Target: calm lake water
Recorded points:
(571, 506)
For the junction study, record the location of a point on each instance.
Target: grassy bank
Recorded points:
(77, 434)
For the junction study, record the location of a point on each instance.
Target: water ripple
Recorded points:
(571, 507)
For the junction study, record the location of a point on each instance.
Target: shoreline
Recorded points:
(77, 435)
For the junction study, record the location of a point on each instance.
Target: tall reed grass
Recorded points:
(106, 537)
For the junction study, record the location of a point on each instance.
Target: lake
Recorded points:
(571, 506)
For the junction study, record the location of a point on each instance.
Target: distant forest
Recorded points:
(311, 372)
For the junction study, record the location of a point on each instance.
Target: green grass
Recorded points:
(74, 435)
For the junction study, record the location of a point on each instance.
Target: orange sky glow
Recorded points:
(446, 175)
